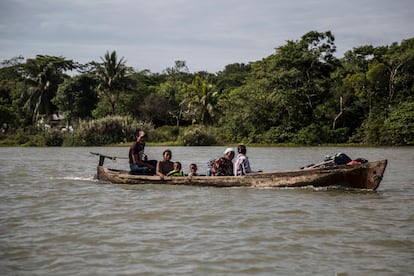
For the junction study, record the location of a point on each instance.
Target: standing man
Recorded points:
(138, 160)
(242, 164)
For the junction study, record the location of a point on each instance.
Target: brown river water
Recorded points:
(55, 219)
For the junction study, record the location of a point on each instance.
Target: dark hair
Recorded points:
(178, 164)
(165, 151)
(193, 165)
(241, 149)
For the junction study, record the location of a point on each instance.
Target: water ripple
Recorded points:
(55, 219)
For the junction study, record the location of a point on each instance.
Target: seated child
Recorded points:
(177, 170)
(193, 170)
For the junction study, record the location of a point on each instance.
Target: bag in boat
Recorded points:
(342, 159)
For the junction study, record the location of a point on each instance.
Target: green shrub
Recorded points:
(311, 135)
(339, 135)
(23, 137)
(53, 137)
(164, 134)
(197, 137)
(398, 128)
(107, 130)
(222, 135)
(279, 134)
(370, 130)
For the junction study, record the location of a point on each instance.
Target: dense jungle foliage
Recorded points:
(301, 94)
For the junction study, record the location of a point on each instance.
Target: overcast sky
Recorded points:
(207, 34)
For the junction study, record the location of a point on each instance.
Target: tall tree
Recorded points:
(285, 88)
(233, 75)
(201, 101)
(43, 76)
(399, 61)
(10, 79)
(174, 90)
(134, 101)
(112, 78)
(77, 97)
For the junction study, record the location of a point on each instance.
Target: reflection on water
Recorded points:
(56, 219)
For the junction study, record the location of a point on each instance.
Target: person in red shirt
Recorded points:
(224, 165)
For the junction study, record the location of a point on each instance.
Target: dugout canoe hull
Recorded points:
(366, 176)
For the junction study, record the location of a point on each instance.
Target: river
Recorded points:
(55, 219)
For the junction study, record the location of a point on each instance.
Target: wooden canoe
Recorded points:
(364, 176)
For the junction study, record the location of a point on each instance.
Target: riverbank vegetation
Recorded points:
(301, 94)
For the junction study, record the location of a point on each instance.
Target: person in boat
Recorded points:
(242, 164)
(224, 165)
(166, 165)
(177, 170)
(192, 170)
(138, 160)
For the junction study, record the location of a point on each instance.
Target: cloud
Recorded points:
(206, 34)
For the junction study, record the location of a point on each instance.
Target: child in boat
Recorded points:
(177, 170)
(193, 170)
(166, 165)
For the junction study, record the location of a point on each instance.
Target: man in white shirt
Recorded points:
(242, 164)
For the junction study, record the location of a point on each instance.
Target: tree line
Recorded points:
(300, 94)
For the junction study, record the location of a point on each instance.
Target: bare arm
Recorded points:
(158, 170)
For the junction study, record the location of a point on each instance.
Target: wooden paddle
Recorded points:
(107, 156)
(103, 156)
(313, 166)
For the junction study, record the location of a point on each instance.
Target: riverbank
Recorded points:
(42, 140)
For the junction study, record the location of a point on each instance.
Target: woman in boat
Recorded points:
(177, 170)
(224, 165)
(242, 164)
(166, 165)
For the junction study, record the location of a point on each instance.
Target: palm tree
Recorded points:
(201, 104)
(111, 75)
(43, 76)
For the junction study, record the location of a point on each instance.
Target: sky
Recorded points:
(208, 35)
